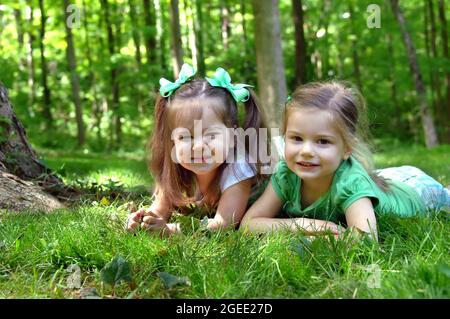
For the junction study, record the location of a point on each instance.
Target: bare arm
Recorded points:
(261, 217)
(232, 205)
(361, 215)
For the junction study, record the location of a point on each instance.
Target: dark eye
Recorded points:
(323, 141)
(296, 138)
(212, 136)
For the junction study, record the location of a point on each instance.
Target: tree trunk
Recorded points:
(136, 38)
(435, 83)
(115, 120)
(30, 61)
(150, 32)
(427, 118)
(300, 43)
(162, 23)
(20, 37)
(46, 91)
(225, 22)
(444, 36)
(1, 29)
(19, 195)
(96, 105)
(19, 167)
(244, 24)
(198, 30)
(392, 81)
(175, 36)
(356, 69)
(74, 79)
(18, 18)
(269, 58)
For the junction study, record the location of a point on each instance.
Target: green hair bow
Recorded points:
(222, 79)
(167, 87)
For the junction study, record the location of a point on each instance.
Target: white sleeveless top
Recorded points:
(235, 173)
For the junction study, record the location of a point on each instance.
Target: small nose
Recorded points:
(307, 149)
(197, 144)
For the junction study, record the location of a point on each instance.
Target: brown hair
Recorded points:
(174, 183)
(347, 107)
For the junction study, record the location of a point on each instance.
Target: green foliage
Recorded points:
(171, 281)
(333, 37)
(116, 271)
(411, 256)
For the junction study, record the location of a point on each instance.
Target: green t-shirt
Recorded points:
(350, 183)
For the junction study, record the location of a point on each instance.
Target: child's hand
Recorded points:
(152, 221)
(134, 220)
(337, 230)
(145, 219)
(213, 224)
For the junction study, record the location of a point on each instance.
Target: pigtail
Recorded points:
(169, 180)
(155, 145)
(255, 118)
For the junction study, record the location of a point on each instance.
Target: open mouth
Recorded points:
(307, 165)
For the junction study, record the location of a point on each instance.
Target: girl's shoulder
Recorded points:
(283, 176)
(351, 177)
(236, 172)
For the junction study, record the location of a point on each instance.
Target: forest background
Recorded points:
(82, 78)
(86, 74)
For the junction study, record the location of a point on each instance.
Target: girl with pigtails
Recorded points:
(192, 154)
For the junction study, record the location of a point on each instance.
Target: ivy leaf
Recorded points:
(303, 246)
(171, 281)
(444, 268)
(115, 271)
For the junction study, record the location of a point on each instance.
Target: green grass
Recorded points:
(36, 249)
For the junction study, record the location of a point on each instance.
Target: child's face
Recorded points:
(206, 147)
(314, 148)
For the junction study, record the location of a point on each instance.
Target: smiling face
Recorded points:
(204, 146)
(314, 147)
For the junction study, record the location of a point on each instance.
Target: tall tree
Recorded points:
(46, 107)
(20, 36)
(30, 58)
(356, 66)
(135, 33)
(175, 36)
(435, 85)
(300, 42)
(392, 80)
(24, 180)
(199, 41)
(269, 58)
(96, 105)
(244, 22)
(74, 78)
(427, 118)
(225, 22)
(444, 36)
(116, 127)
(150, 31)
(162, 26)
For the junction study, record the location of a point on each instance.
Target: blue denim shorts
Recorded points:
(435, 196)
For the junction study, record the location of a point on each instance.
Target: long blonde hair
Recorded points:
(348, 109)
